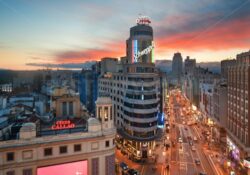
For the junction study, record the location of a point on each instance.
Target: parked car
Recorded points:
(193, 148)
(190, 142)
(195, 139)
(180, 140)
(202, 173)
(197, 161)
(132, 172)
(124, 166)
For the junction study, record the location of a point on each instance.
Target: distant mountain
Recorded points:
(85, 65)
(166, 65)
(212, 66)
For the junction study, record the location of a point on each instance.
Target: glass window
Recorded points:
(47, 151)
(27, 171)
(63, 149)
(107, 143)
(64, 108)
(77, 147)
(10, 156)
(106, 113)
(71, 108)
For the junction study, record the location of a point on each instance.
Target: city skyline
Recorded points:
(34, 34)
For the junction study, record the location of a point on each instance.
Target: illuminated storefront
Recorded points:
(233, 150)
(76, 168)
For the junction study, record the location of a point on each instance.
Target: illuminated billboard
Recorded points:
(139, 49)
(73, 168)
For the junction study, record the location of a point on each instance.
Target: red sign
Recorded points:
(143, 20)
(63, 124)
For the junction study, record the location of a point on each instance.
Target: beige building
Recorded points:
(238, 125)
(66, 103)
(89, 152)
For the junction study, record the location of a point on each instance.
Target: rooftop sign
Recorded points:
(143, 20)
(63, 124)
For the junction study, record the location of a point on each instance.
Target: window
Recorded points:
(107, 143)
(95, 166)
(106, 113)
(63, 149)
(77, 147)
(99, 112)
(111, 113)
(27, 171)
(64, 108)
(47, 151)
(12, 172)
(10, 156)
(71, 108)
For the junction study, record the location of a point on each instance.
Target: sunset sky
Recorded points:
(34, 33)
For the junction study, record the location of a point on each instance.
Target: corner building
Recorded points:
(135, 92)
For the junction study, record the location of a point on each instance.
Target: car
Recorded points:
(124, 166)
(180, 140)
(202, 173)
(193, 148)
(195, 139)
(190, 143)
(197, 161)
(132, 172)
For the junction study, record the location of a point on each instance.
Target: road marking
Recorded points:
(198, 154)
(197, 133)
(162, 170)
(211, 161)
(142, 169)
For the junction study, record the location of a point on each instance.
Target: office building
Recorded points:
(177, 66)
(189, 66)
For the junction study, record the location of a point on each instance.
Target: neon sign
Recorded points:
(63, 124)
(143, 52)
(143, 20)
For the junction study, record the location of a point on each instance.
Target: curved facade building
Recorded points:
(135, 92)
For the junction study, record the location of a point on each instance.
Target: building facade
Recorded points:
(88, 88)
(238, 125)
(224, 65)
(189, 66)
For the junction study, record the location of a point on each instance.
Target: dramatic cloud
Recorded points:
(229, 35)
(109, 50)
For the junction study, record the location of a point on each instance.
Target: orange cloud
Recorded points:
(227, 35)
(110, 50)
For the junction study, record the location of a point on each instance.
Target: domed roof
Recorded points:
(93, 121)
(28, 127)
(104, 100)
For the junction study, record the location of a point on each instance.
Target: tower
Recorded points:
(104, 112)
(140, 45)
